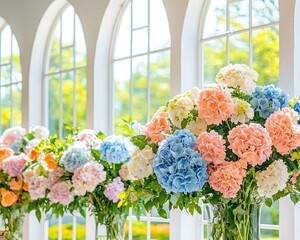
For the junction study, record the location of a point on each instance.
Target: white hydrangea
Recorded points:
(238, 75)
(242, 111)
(40, 132)
(197, 126)
(179, 108)
(140, 164)
(273, 179)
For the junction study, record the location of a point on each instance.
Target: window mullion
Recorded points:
(227, 36)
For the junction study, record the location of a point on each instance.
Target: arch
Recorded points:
(297, 48)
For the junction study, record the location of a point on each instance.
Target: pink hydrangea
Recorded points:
(215, 104)
(37, 186)
(284, 130)
(89, 138)
(158, 128)
(54, 176)
(13, 165)
(113, 189)
(251, 143)
(227, 177)
(61, 193)
(12, 135)
(87, 177)
(211, 146)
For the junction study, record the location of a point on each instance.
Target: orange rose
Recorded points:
(8, 198)
(5, 153)
(49, 161)
(15, 185)
(25, 187)
(33, 154)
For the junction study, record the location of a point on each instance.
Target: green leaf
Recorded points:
(95, 154)
(269, 202)
(140, 141)
(239, 210)
(38, 214)
(82, 212)
(101, 135)
(162, 213)
(295, 197)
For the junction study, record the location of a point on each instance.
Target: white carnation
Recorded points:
(238, 75)
(197, 126)
(140, 164)
(273, 179)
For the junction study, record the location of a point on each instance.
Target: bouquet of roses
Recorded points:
(232, 144)
(16, 149)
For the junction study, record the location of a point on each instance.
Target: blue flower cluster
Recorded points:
(268, 99)
(116, 149)
(16, 147)
(297, 109)
(178, 167)
(76, 156)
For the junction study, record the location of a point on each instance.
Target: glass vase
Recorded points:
(12, 223)
(230, 221)
(114, 228)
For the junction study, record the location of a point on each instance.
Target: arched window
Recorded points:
(141, 83)
(141, 61)
(10, 79)
(243, 31)
(65, 99)
(65, 74)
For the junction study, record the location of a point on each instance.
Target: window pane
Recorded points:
(265, 11)
(139, 13)
(121, 91)
(122, 48)
(239, 48)
(53, 228)
(17, 103)
(5, 107)
(80, 48)
(270, 215)
(81, 98)
(215, 21)
(67, 99)
(269, 234)
(239, 15)
(159, 26)
(214, 58)
(67, 56)
(159, 80)
(266, 55)
(5, 74)
(53, 103)
(140, 41)
(54, 60)
(6, 45)
(140, 86)
(160, 231)
(68, 27)
(139, 230)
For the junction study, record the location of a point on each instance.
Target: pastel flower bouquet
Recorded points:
(233, 145)
(16, 149)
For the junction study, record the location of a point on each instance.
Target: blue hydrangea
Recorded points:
(16, 147)
(116, 149)
(297, 109)
(76, 156)
(268, 99)
(178, 167)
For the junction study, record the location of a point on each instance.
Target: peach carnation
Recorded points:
(227, 177)
(284, 130)
(215, 104)
(211, 146)
(251, 143)
(158, 127)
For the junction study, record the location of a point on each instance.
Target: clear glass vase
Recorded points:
(12, 223)
(114, 228)
(230, 221)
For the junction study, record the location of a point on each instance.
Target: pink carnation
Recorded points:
(284, 130)
(89, 138)
(12, 135)
(37, 186)
(227, 177)
(215, 104)
(13, 165)
(211, 146)
(158, 127)
(113, 189)
(87, 177)
(61, 193)
(251, 143)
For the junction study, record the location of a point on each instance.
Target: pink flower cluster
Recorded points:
(113, 189)
(227, 177)
(12, 135)
(215, 104)
(158, 128)
(284, 130)
(87, 177)
(251, 143)
(13, 165)
(89, 138)
(211, 146)
(61, 192)
(37, 186)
